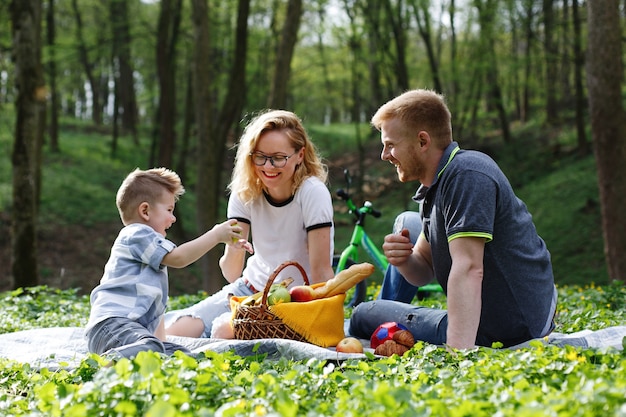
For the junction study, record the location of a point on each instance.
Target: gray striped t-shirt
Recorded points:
(134, 284)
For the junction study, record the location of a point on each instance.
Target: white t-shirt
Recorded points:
(279, 231)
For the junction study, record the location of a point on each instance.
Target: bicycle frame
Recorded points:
(360, 237)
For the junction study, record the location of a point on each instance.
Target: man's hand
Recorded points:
(398, 247)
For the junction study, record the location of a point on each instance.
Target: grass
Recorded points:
(537, 380)
(567, 215)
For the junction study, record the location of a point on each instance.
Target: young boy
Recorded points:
(127, 306)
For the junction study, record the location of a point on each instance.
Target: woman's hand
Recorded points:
(233, 260)
(242, 244)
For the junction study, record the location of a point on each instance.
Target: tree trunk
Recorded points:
(115, 122)
(565, 69)
(354, 46)
(608, 125)
(375, 57)
(454, 84)
(514, 79)
(282, 70)
(236, 93)
(422, 16)
(206, 208)
(486, 16)
(528, 63)
(321, 12)
(396, 21)
(183, 151)
(26, 30)
(83, 55)
(167, 35)
(122, 66)
(213, 135)
(53, 128)
(579, 62)
(551, 63)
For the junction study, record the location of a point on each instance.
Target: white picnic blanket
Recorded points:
(65, 347)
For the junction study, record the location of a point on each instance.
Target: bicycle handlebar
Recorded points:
(343, 194)
(372, 211)
(359, 213)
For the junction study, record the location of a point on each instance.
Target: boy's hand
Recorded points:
(227, 232)
(230, 233)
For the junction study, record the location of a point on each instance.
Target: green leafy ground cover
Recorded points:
(536, 381)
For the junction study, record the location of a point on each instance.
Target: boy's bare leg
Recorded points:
(186, 326)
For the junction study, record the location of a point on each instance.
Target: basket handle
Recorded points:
(272, 277)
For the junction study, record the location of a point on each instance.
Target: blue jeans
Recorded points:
(394, 286)
(122, 337)
(396, 294)
(427, 324)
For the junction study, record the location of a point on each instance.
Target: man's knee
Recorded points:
(409, 220)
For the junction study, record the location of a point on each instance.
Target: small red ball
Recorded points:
(385, 332)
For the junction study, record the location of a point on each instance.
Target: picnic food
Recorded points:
(385, 332)
(390, 347)
(404, 337)
(302, 293)
(255, 299)
(341, 283)
(345, 280)
(277, 295)
(235, 239)
(349, 345)
(401, 341)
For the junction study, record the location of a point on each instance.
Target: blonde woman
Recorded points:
(279, 196)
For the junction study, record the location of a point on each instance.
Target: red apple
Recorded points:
(302, 293)
(349, 345)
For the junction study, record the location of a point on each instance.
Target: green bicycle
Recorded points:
(350, 254)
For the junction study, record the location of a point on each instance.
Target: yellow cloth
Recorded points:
(319, 321)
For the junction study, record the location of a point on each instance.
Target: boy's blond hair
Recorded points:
(146, 186)
(244, 182)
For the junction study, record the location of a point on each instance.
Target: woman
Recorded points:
(278, 194)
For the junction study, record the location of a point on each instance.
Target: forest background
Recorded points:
(89, 90)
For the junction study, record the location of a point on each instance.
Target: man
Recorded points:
(478, 238)
(394, 286)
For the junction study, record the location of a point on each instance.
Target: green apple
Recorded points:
(278, 295)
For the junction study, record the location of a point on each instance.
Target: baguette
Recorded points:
(344, 280)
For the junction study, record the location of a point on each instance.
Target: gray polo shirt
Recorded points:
(471, 197)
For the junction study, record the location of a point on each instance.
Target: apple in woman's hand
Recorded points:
(349, 345)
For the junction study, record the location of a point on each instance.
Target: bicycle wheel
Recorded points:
(360, 290)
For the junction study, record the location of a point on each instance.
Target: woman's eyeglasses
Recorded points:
(277, 161)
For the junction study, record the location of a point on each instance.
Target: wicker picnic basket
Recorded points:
(258, 322)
